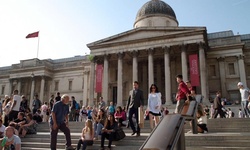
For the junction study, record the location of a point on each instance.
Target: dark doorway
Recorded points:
(115, 95)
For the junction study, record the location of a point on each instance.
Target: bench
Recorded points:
(189, 113)
(168, 134)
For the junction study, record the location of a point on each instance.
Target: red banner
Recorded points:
(98, 83)
(194, 70)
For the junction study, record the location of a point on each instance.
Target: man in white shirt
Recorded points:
(244, 92)
(14, 109)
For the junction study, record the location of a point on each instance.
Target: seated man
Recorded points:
(19, 121)
(12, 141)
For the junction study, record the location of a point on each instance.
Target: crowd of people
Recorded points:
(102, 121)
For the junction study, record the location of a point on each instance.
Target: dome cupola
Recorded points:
(155, 13)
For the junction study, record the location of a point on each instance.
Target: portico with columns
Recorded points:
(149, 61)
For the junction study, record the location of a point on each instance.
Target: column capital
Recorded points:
(239, 57)
(202, 45)
(220, 59)
(86, 72)
(120, 55)
(183, 47)
(166, 49)
(151, 51)
(106, 56)
(135, 53)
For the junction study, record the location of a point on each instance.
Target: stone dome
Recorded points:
(155, 8)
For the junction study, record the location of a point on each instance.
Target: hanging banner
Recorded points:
(194, 70)
(98, 83)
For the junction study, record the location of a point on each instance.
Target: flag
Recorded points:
(32, 35)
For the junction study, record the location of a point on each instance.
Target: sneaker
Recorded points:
(70, 148)
(189, 132)
(205, 132)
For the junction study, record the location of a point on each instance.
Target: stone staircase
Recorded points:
(226, 134)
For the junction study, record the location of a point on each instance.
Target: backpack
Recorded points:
(76, 106)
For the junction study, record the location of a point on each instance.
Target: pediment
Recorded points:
(145, 33)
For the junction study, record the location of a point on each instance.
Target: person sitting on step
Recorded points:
(87, 135)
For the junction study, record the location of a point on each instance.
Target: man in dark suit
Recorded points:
(135, 101)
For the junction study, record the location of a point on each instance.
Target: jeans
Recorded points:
(245, 109)
(53, 135)
(109, 136)
(98, 129)
(84, 144)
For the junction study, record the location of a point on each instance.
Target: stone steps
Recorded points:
(231, 134)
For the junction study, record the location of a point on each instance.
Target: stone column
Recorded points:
(221, 61)
(91, 83)
(10, 87)
(167, 70)
(144, 84)
(119, 82)
(242, 70)
(19, 86)
(158, 74)
(32, 90)
(105, 86)
(42, 89)
(184, 63)
(203, 77)
(150, 67)
(135, 65)
(85, 87)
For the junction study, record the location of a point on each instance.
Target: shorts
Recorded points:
(155, 114)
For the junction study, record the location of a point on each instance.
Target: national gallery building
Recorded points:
(154, 51)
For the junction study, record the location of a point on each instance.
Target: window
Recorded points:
(70, 85)
(231, 69)
(212, 70)
(3, 88)
(56, 85)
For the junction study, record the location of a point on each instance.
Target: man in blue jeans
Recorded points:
(59, 120)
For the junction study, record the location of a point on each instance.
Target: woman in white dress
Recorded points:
(154, 105)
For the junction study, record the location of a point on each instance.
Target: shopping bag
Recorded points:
(140, 117)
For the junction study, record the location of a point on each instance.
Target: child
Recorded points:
(240, 114)
(87, 135)
(112, 108)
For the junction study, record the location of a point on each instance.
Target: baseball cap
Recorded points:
(240, 83)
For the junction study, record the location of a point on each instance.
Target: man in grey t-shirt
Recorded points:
(244, 92)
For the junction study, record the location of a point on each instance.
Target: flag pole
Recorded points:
(38, 46)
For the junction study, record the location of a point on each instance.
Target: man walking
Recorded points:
(15, 107)
(59, 120)
(135, 101)
(182, 94)
(244, 92)
(218, 106)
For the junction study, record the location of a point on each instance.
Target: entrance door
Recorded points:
(115, 95)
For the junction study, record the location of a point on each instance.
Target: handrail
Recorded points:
(167, 134)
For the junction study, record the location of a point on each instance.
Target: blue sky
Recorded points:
(66, 26)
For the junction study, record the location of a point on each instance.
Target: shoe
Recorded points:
(190, 132)
(138, 134)
(70, 148)
(205, 132)
(127, 126)
(133, 133)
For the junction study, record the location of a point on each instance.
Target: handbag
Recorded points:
(119, 134)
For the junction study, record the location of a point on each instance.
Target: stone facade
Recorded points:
(45, 77)
(155, 51)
